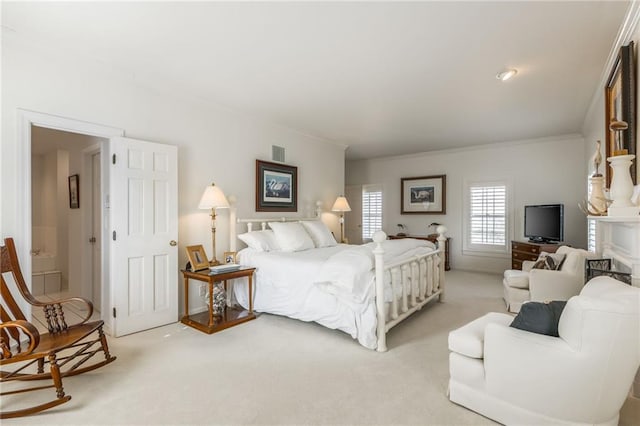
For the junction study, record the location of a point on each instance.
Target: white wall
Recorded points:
(543, 171)
(214, 144)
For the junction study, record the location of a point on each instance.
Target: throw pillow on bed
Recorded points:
(291, 236)
(538, 317)
(551, 261)
(319, 233)
(260, 240)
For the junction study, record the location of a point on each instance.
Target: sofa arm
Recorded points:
(537, 372)
(546, 285)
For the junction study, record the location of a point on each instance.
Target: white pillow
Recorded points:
(319, 233)
(260, 240)
(291, 236)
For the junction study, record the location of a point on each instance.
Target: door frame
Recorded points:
(87, 225)
(26, 119)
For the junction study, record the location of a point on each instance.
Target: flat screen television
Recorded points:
(544, 223)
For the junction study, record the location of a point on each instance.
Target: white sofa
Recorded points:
(582, 377)
(540, 285)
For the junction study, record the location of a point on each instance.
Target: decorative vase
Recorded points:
(621, 186)
(597, 198)
(219, 299)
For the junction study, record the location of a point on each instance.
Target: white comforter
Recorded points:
(332, 286)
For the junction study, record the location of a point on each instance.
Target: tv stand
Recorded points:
(527, 250)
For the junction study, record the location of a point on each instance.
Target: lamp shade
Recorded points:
(341, 205)
(213, 198)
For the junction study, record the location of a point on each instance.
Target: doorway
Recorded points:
(126, 165)
(66, 217)
(28, 123)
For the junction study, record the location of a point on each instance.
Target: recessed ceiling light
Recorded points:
(506, 74)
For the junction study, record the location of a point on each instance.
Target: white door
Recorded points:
(144, 231)
(96, 234)
(353, 219)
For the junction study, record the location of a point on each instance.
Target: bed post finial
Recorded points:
(442, 241)
(233, 212)
(318, 209)
(378, 253)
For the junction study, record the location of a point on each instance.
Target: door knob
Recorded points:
(173, 243)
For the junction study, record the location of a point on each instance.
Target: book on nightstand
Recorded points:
(227, 267)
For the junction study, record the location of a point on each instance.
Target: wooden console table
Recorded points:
(206, 321)
(434, 239)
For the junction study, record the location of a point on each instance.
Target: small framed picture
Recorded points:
(423, 195)
(230, 256)
(74, 192)
(197, 257)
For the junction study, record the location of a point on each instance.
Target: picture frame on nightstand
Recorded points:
(197, 257)
(230, 257)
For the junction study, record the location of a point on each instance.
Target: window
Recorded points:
(486, 224)
(371, 210)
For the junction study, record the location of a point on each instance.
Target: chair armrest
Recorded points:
(52, 305)
(16, 329)
(546, 285)
(55, 314)
(523, 368)
(527, 265)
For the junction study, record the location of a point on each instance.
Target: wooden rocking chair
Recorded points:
(65, 348)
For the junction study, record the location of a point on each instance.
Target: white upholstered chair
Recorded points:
(581, 377)
(540, 285)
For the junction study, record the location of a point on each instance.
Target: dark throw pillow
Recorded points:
(538, 317)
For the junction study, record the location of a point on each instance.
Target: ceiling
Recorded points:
(383, 78)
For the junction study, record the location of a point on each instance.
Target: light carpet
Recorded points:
(279, 371)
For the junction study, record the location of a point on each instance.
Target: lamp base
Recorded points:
(214, 262)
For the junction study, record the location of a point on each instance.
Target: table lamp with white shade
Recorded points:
(213, 198)
(341, 205)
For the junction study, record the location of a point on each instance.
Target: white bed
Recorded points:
(337, 285)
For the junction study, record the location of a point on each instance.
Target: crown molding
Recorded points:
(495, 145)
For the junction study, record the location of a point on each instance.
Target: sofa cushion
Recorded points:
(468, 340)
(516, 278)
(538, 317)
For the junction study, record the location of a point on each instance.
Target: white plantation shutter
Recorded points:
(591, 235)
(591, 225)
(371, 210)
(487, 221)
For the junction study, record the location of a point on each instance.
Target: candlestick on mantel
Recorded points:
(622, 187)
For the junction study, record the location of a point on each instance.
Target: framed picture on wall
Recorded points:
(276, 187)
(74, 192)
(423, 195)
(620, 105)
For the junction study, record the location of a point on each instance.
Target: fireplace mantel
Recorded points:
(618, 238)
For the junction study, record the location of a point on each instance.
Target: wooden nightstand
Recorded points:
(206, 321)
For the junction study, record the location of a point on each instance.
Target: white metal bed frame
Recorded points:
(421, 277)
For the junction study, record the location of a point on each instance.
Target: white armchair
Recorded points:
(581, 377)
(540, 285)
